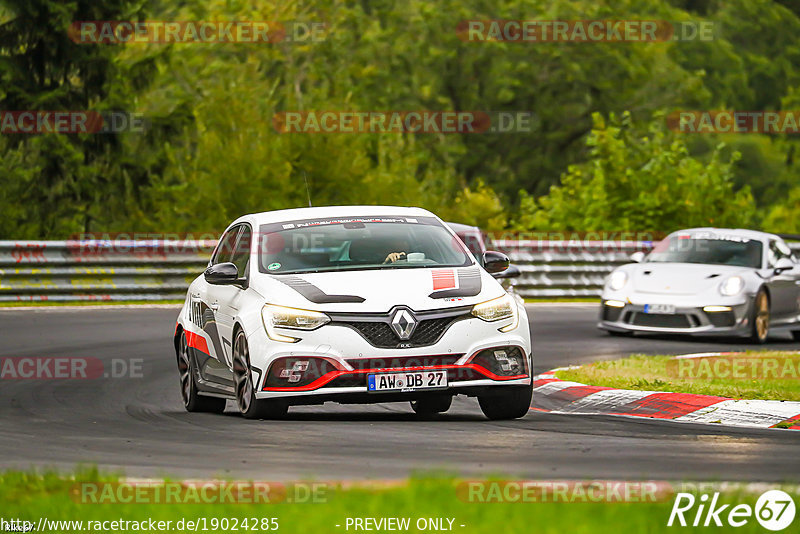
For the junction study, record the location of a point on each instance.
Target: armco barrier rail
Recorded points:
(99, 270)
(162, 270)
(566, 268)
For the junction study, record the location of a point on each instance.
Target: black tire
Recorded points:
(796, 335)
(249, 406)
(192, 400)
(432, 405)
(759, 318)
(512, 403)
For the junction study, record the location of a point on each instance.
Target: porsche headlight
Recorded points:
(617, 280)
(732, 286)
(498, 309)
(283, 317)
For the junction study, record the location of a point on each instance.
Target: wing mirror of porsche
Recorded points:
(784, 264)
(222, 274)
(637, 256)
(495, 262)
(512, 272)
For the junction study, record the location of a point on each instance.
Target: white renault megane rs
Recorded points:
(352, 304)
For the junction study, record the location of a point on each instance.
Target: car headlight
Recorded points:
(283, 317)
(732, 286)
(617, 280)
(498, 309)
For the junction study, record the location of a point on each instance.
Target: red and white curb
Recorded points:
(553, 395)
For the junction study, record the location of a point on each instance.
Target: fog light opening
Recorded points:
(295, 374)
(507, 363)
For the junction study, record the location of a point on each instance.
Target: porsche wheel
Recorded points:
(512, 403)
(249, 406)
(192, 401)
(432, 405)
(759, 318)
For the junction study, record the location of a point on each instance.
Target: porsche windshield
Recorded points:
(740, 252)
(358, 243)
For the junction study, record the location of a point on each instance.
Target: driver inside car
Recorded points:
(399, 248)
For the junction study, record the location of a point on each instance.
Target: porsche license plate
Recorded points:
(659, 308)
(410, 381)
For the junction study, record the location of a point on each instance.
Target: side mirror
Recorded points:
(637, 256)
(784, 264)
(512, 272)
(222, 274)
(495, 262)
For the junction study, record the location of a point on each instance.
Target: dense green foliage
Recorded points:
(599, 156)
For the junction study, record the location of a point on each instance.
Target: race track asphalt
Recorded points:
(137, 425)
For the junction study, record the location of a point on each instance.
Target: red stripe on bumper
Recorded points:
(324, 379)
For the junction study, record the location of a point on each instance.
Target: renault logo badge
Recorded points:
(403, 324)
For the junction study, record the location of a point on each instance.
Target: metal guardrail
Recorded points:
(566, 268)
(99, 270)
(69, 271)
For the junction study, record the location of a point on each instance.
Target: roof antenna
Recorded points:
(308, 192)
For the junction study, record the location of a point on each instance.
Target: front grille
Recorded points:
(381, 334)
(661, 320)
(721, 319)
(404, 362)
(611, 313)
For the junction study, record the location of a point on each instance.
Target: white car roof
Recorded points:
(740, 232)
(332, 211)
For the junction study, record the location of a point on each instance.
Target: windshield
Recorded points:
(722, 250)
(358, 243)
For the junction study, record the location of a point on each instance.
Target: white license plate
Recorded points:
(410, 381)
(659, 308)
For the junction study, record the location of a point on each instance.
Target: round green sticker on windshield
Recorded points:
(274, 266)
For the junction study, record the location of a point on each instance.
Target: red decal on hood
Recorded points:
(443, 279)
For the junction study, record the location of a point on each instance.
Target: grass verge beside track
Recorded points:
(30, 497)
(765, 375)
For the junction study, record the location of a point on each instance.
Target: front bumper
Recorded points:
(342, 360)
(726, 320)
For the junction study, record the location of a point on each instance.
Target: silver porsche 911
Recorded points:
(706, 281)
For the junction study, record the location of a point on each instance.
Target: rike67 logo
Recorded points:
(774, 510)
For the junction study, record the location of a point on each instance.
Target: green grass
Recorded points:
(45, 304)
(662, 373)
(31, 496)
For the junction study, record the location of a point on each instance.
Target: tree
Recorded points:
(640, 182)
